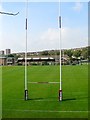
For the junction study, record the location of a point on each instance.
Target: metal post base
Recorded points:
(60, 95)
(26, 94)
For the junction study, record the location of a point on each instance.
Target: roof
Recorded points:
(2, 56)
(37, 59)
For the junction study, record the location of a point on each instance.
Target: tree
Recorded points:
(10, 55)
(69, 53)
(89, 53)
(85, 54)
(45, 53)
(77, 53)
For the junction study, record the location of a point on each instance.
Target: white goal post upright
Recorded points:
(26, 86)
(60, 90)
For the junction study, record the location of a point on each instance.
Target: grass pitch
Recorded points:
(43, 98)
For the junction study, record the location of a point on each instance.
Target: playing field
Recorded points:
(43, 98)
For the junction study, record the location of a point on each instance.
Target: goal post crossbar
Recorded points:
(44, 82)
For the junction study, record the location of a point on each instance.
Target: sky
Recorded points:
(43, 27)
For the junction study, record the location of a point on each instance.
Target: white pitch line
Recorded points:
(45, 111)
(47, 100)
(58, 100)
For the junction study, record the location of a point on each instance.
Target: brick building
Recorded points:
(3, 60)
(6, 60)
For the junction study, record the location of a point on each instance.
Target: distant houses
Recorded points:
(2, 60)
(5, 59)
(36, 61)
(49, 57)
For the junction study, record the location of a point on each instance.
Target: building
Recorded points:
(8, 51)
(10, 61)
(2, 52)
(2, 60)
(6, 60)
(37, 61)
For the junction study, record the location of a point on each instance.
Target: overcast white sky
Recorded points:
(43, 31)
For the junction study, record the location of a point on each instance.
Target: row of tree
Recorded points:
(83, 53)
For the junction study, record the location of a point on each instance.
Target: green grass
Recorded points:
(43, 98)
(0, 92)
